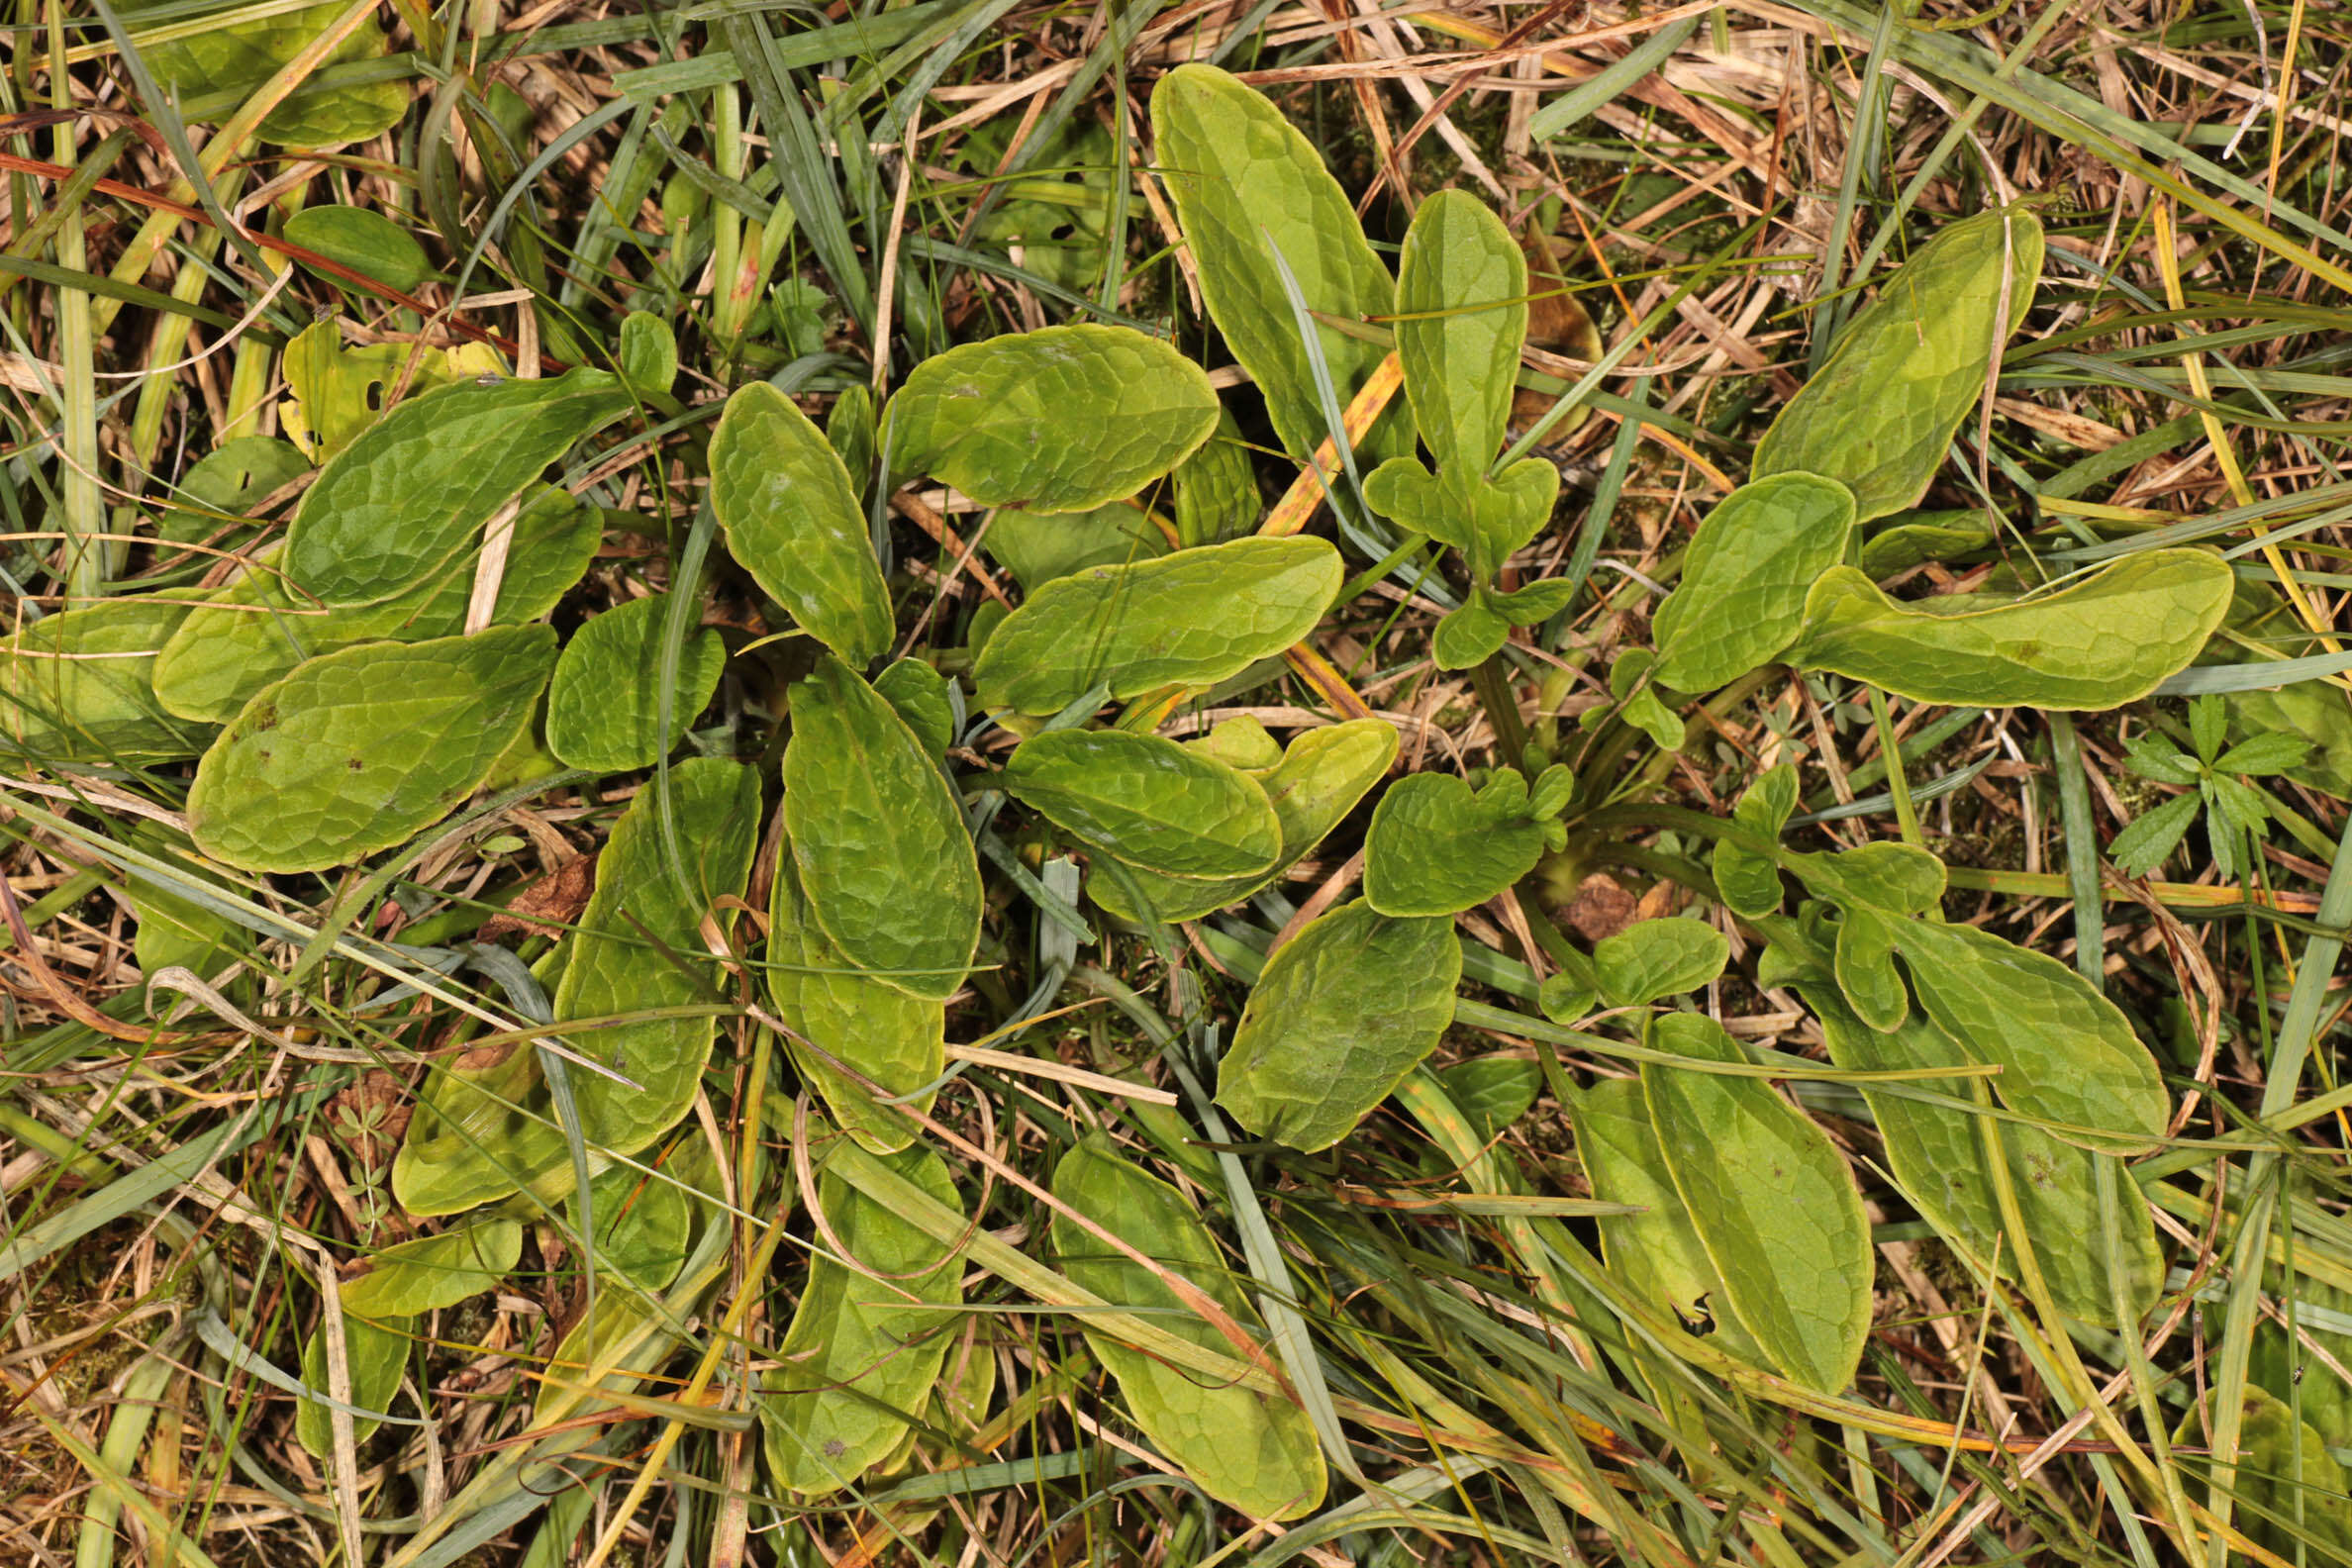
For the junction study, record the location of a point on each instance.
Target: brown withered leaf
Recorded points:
(560, 895)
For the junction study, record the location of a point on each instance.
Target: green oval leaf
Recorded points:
(604, 707)
(1656, 1252)
(1744, 580)
(375, 1356)
(1937, 1156)
(1039, 547)
(1461, 321)
(356, 751)
(1340, 1014)
(1880, 414)
(79, 687)
(410, 495)
(1321, 776)
(482, 1129)
(1248, 187)
(877, 836)
(1060, 420)
(794, 522)
(867, 1339)
(2105, 641)
(1771, 1202)
(1191, 619)
(1148, 800)
(435, 1271)
(875, 1031)
(2066, 1053)
(1253, 1451)
(261, 626)
(1656, 958)
(642, 1223)
(243, 55)
(369, 242)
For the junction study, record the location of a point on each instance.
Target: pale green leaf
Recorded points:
(1655, 1253)
(1910, 537)
(261, 625)
(878, 837)
(365, 241)
(918, 693)
(1340, 1014)
(79, 687)
(1247, 187)
(356, 751)
(794, 522)
(868, 1337)
(1461, 321)
(1190, 619)
(1039, 547)
(243, 55)
(1656, 958)
(1493, 1092)
(604, 707)
(1317, 781)
(1060, 420)
(434, 1271)
(1148, 801)
(642, 1223)
(1771, 1202)
(1882, 408)
(1253, 1451)
(411, 493)
(2106, 639)
(2066, 1054)
(879, 1032)
(1217, 489)
(483, 1128)
(1937, 1156)
(376, 1354)
(1744, 579)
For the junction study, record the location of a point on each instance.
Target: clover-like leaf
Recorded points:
(409, 494)
(1656, 958)
(1190, 619)
(1339, 1014)
(604, 708)
(2105, 641)
(1254, 1451)
(1882, 410)
(794, 522)
(1438, 847)
(1148, 801)
(1771, 1202)
(878, 837)
(1748, 882)
(1485, 519)
(1468, 637)
(1060, 420)
(1745, 578)
(1249, 188)
(356, 751)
